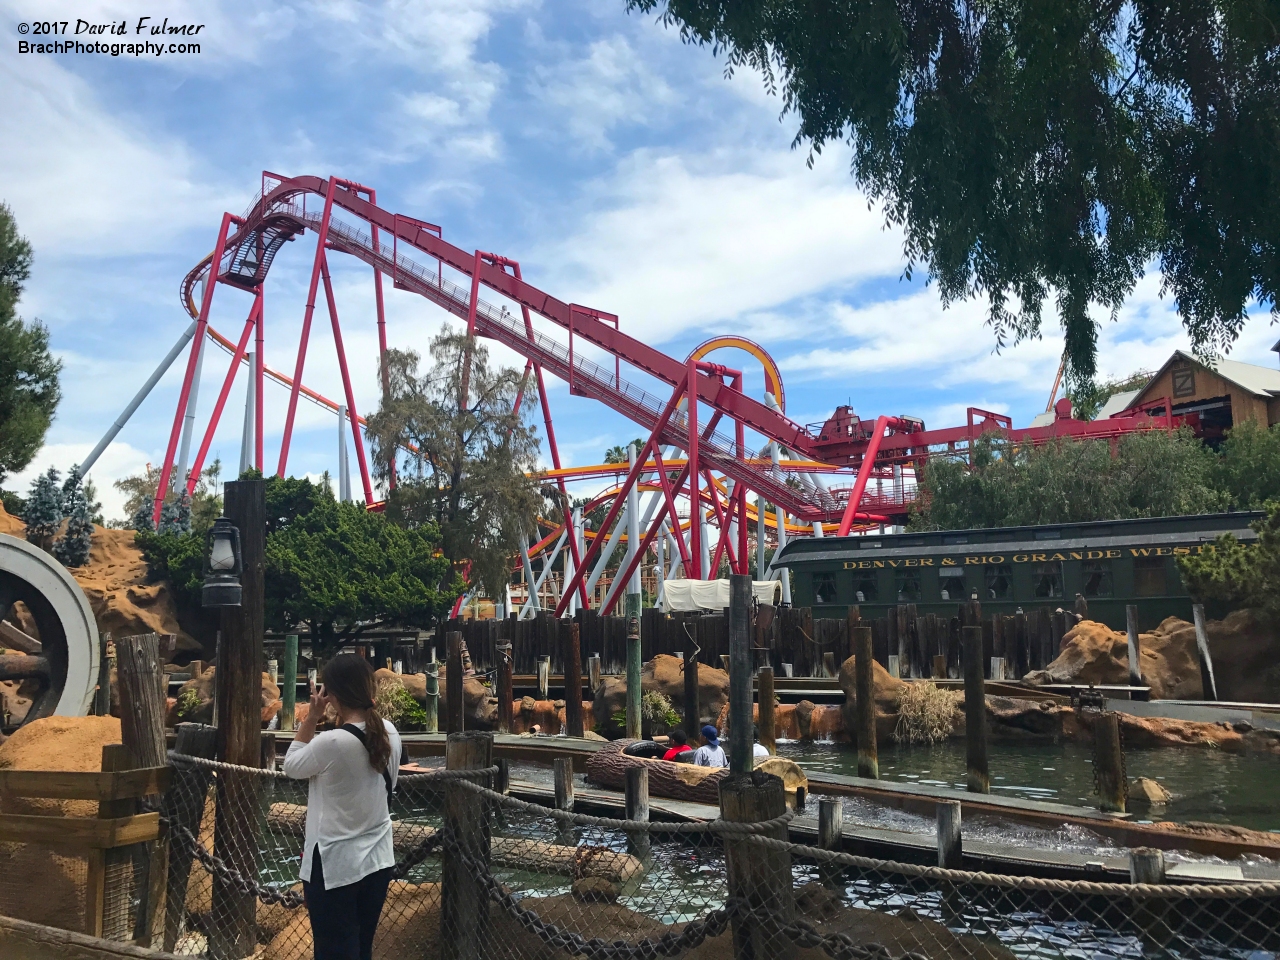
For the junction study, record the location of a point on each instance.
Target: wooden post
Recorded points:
(950, 848)
(1146, 865)
(464, 899)
(760, 876)
(765, 700)
(830, 837)
(1135, 650)
(634, 656)
(109, 878)
(239, 705)
(183, 810)
(432, 706)
(1081, 608)
(1108, 763)
(289, 687)
(691, 725)
(1207, 681)
(102, 695)
(267, 753)
(140, 681)
(454, 705)
(563, 772)
(895, 665)
(829, 668)
(740, 759)
(865, 705)
(502, 785)
(593, 672)
(636, 794)
(939, 666)
(573, 684)
(544, 678)
(506, 691)
(975, 712)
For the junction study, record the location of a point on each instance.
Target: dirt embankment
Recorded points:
(1245, 652)
(115, 582)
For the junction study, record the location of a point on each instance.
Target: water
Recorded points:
(1207, 785)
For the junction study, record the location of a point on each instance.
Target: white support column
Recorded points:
(760, 537)
(575, 531)
(246, 435)
(660, 568)
(817, 530)
(610, 545)
(344, 462)
(179, 479)
(782, 542)
(633, 523)
(532, 601)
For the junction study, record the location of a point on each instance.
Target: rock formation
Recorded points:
(665, 675)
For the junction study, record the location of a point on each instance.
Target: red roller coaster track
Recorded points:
(700, 407)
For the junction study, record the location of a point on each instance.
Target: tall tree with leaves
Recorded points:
(29, 390)
(198, 512)
(459, 466)
(1034, 152)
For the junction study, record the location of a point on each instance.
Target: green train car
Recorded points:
(1110, 563)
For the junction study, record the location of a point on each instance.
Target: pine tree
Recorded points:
(141, 519)
(175, 516)
(44, 509)
(72, 549)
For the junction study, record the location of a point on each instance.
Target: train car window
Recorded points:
(1097, 578)
(824, 588)
(999, 581)
(1148, 577)
(1047, 579)
(907, 585)
(952, 581)
(864, 588)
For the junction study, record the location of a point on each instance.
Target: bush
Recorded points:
(926, 713)
(656, 708)
(1235, 574)
(396, 704)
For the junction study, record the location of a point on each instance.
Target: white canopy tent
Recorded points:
(693, 595)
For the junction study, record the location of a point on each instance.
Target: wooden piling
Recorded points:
(634, 657)
(573, 684)
(289, 688)
(1146, 865)
(950, 848)
(758, 875)
(975, 712)
(238, 696)
(1209, 684)
(506, 687)
(636, 797)
(102, 694)
(829, 668)
(691, 725)
(431, 723)
(183, 810)
(1135, 649)
(563, 774)
(454, 707)
(740, 723)
(464, 899)
(544, 678)
(830, 837)
(593, 672)
(865, 705)
(765, 700)
(1108, 763)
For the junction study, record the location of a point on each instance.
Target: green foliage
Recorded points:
(468, 478)
(1087, 399)
(179, 559)
(1236, 574)
(657, 708)
(29, 391)
(1035, 152)
(1248, 468)
(188, 703)
(14, 505)
(1153, 474)
(72, 548)
(396, 704)
(44, 515)
(618, 454)
(195, 515)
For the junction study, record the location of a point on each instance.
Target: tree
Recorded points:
(1037, 151)
(1087, 399)
(1235, 574)
(73, 547)
(619, 454)
(1152, 474)
(337, 569)
(201, 509)
(462, 468)
(43, 515)
(29, 391)
(1248, 468)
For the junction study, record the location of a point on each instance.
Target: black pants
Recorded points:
(344, 919)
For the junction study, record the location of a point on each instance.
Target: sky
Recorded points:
(622, 168)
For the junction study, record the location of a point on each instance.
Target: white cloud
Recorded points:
(117, 461)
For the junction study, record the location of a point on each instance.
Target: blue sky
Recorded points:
(619, 166)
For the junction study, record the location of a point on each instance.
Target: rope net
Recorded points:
(481, 874)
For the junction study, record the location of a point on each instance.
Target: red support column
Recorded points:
(346, 380)
(202, 324)
(695, 504)
(322, 236)
(258, 363)
(382, 338)
(232, 369)
(668, 496)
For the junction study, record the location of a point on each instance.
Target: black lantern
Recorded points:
(222, 566)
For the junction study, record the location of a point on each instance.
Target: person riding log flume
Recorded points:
(348, 852)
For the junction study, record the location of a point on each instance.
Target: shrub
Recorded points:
(926, 713)
(396, 704)
(188, 703)
(656, 708)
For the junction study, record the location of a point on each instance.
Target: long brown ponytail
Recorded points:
(349, 680)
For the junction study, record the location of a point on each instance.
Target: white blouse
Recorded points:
(347, 809)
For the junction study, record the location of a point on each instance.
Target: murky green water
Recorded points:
(1207, 785)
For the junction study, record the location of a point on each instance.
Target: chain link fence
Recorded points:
(481, 874)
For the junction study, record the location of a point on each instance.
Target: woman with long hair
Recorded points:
(348, 852)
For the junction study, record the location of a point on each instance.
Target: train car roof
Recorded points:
(1097, 534)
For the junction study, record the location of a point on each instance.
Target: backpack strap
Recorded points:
(356, 732)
